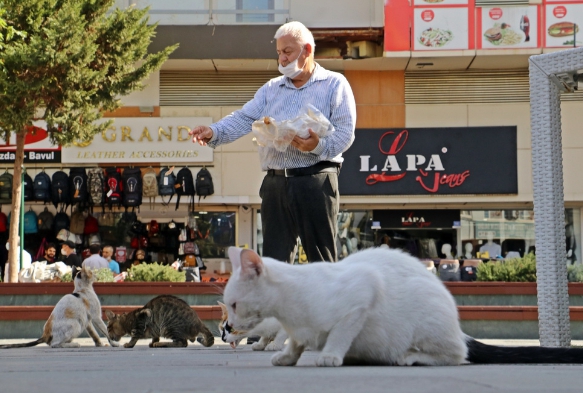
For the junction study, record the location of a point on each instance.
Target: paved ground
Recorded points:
(221, 369)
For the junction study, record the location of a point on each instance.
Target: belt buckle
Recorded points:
(285, 173)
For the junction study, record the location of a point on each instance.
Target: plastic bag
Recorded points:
(271, 133)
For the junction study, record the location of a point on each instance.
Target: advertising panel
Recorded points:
(562, 25)
(508, 27)
(440, 28)
(38, 149)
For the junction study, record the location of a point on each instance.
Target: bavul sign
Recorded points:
(431, 173)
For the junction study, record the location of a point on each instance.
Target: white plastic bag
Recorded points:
(271, 133)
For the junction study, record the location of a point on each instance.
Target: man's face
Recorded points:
(288, 49)
(107, 253)
(50, 252)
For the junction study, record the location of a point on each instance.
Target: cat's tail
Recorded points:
(30, 344)
(492, 354)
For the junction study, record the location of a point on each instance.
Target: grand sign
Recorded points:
(142, 140)
(431, 161)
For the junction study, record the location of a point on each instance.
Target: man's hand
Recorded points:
(307, 144)
(201, 135)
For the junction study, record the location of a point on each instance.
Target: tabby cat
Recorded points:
(164, 316)
(73, 314)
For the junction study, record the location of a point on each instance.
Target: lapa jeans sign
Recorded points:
(429, 161)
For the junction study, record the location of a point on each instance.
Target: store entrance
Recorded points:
(422, 243)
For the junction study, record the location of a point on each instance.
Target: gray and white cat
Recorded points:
(378, 306)
(72, 315)
(271, 333)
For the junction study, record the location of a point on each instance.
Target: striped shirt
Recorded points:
(280, 99)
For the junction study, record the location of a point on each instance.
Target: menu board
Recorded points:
(508, 27)
(428, 3)
(440, 28)
(562, 25)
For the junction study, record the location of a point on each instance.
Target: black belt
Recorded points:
(321, 167)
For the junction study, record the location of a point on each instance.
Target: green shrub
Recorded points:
(575, 273)
(101, 275)
(511, 270)
(155, 272)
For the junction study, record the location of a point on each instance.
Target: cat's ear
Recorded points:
(147, 312)
(223, 306)
(235, 257)
(251, 264)
(110, 315)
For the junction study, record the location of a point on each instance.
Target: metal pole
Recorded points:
(21, 215)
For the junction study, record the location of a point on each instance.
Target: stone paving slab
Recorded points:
(221, 369)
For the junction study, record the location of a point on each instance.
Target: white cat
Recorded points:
(272, 334)
(378, 306)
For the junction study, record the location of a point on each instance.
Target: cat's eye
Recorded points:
(234, 306)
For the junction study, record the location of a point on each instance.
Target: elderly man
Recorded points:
(300, 191)
(95, 261)
(107, 253)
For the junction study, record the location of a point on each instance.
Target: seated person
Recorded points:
(140, 256)
(49, 254)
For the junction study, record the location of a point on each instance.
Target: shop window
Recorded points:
(215, 233)
(354, 232)
(255, 5)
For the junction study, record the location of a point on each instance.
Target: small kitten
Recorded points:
(164, 316)
(377, 306)
(272, 334)
(73, 314)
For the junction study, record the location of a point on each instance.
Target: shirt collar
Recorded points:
(318, 75)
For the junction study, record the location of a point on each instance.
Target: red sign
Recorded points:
(560, 11)
(427, 15)
(496, 13)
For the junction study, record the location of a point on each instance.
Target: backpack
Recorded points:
(113, 186)
(28, 188)
(78, 186)
(42, 187)
(91, 225)
(153, 228)
(5, 187)
(204, 183)
(96, 186)
(120, 254)
(3, 222)
(30, 222)
(132, 186)
(150, 185)
(61, 221)
(77, 223)
(60, 188)
(166, 183)
(184, 186)
(46, 220)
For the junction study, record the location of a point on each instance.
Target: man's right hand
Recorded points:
(201, 135)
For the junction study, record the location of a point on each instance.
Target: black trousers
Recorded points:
(304, 207)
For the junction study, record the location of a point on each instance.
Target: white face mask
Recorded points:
(291, 70)
(63, 252)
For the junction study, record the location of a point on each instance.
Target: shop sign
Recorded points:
(142, 140)
(416, 219)
(504, 230)
(431, 161)
(38, 149)
(508, 27)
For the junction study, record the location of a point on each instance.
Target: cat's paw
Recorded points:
(258, 346)
(328, 360)
(274, 347)
(114, 343)
(283, 359)
(128, 345)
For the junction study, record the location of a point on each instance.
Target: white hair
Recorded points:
(297, 30)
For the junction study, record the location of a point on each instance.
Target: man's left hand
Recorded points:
(307, 144)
